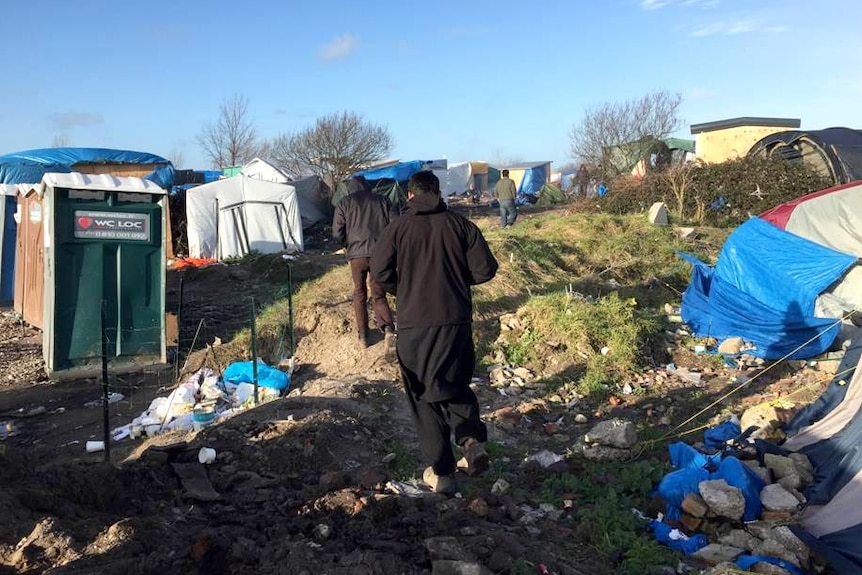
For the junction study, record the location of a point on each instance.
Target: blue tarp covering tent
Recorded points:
(763, 289)
(400, 172)
(29, 166)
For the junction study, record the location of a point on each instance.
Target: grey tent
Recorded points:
(834, 152)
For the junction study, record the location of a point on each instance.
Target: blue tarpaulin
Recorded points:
(763, 289)
(29, 166)
(399, 172)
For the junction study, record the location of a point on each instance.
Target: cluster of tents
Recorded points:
(789, 282)
(221, 214)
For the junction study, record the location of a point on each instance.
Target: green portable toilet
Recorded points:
(104, 248)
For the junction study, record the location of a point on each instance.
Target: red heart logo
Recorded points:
(85, 222)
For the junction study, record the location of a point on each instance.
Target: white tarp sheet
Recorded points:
(232, 217)
(455, 180)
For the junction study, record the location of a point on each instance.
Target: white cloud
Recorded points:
(736, 28)
(66, 120)
(338, 48)
(700, 94)
(654, 4)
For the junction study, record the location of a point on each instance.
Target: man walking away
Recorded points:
(429, 258)
(505, 192)
(359, 221)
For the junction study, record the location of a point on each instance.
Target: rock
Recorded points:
(791, 482)
(694, 505)
(784, 536)
(389, 458)
(691, 524)
(447, 549)
(685, 233)
(772, 548)
(723, 499)
(459, 568)
(763, 416)
(507, 415)
(581, 418)
(768, 569)
(613, 433)
(322, 532)
(522, 372)
(722, 568)
(333, 481)
(776, 498)
(761, 471)
(604, 453)
(768, 515)
(803, 465)
(369, 477)
(657, 214)
(731, 346)
(500, 487)
(478, 507)
(498, 377)
(715, 553)
(739, 538)
(779, 465)
(510, 322)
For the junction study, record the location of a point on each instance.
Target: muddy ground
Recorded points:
(316, 482)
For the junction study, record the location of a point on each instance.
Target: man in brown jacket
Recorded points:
(429, 258)
(359, 220)
(505, 192)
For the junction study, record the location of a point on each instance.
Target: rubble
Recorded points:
(617, 433)
(723, 499)
(776, 498)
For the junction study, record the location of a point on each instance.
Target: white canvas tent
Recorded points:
(232, 217)
(312, 206)
(455, 180)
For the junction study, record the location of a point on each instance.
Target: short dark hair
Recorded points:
(505, 173)
(423, 183)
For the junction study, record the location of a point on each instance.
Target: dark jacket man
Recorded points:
(359, 220)
(429, 258)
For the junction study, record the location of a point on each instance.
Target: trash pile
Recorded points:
(729, 505)
(204, 398)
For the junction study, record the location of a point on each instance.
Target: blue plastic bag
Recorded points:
(683, 455)
(748, 561)
(717, 436)
(739, 475)
(241, 372)
(686, 545)
(676, 485)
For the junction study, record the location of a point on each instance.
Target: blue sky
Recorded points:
(470, 79)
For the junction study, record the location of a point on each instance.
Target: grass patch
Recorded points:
(604, 495)
(609, 336)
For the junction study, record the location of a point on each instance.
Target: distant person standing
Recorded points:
(359, 221)
(506, 192)
(429, 258)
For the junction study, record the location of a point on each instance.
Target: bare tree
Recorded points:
(334, 147)
(177, 158)
(232, 139)
(624, 128)
(60, 141)
(678, 180)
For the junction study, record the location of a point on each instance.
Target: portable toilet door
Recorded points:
(104, 266)
(30, 257)
(8, 241)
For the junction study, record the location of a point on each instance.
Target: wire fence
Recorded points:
(209, 332)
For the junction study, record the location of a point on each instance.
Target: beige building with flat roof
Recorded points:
(725, 139)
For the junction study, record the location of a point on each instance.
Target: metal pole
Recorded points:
(105, 392)
(290, 308)
(179, 326)
(254, 352)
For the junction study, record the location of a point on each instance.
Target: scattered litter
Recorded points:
(545, 458)
(95, 446)
(112, 399)
(406, 488)
(206, 455)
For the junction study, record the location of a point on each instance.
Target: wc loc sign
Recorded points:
(112, 226)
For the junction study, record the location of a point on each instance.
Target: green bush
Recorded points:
(747, 185)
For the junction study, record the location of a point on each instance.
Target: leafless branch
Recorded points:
(232, 139)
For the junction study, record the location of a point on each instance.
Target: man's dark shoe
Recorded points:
(475, 460)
